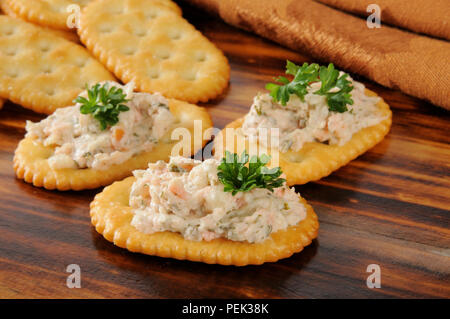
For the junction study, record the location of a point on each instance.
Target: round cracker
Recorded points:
(315, 160)
(148, 42)
(31, 157)
(111, 216)
(68, 35)
(42, 71)
(48, 13)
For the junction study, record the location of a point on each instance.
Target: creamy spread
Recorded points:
(80, 142)
(310, 120)
(186, 196)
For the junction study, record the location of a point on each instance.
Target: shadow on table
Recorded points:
(156, 277)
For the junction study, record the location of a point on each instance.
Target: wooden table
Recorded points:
(389, 207)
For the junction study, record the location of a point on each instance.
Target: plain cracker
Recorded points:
(41, 71)
(315, 160)
(149, 43)
(31, 164)
(111, 216)
(69, 35)
(49, 13)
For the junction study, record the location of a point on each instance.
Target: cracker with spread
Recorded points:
(108, 133)
(230, 212)
(149, 42)
(313, 124)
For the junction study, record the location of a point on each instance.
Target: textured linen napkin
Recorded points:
(430, 17)
(415, 64)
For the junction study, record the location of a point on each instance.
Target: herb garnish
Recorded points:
(104, 103)
(237, 177)
(337, 101)
(305, 75)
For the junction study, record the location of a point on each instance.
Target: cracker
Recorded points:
(111, 216)
(69, 35)
(315, 160)
(49, 13)
(42, 71)
(31, 164)
(148, 42)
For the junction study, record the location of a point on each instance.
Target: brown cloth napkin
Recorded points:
(415, 64)
(430, 17)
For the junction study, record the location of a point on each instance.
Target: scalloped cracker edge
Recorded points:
(49, 13)
(111, 216)
(31, 157)
(315, 160)
(148, 42)
(42, 71)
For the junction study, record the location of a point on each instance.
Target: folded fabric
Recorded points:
(430, 17)
(415, 64)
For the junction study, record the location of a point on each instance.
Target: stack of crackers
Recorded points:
(51, 49)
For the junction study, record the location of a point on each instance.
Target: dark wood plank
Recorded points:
(389, 207)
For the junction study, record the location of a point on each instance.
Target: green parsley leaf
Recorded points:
(104, 103)
(237, 177)
(330, 79)
(305, 75)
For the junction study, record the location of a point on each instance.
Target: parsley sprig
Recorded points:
(303, 75)
(237, 177)
(337, 101)
(306, 74)
(104, 103)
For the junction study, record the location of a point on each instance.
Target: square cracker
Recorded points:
(315, 160)
(31, 157)
(42, 71)
(148, 42)
(111, 216)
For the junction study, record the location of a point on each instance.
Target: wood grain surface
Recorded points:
(389, 207)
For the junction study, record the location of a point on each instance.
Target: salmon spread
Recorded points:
(311, 120)
(80, 141)
(186, 196)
